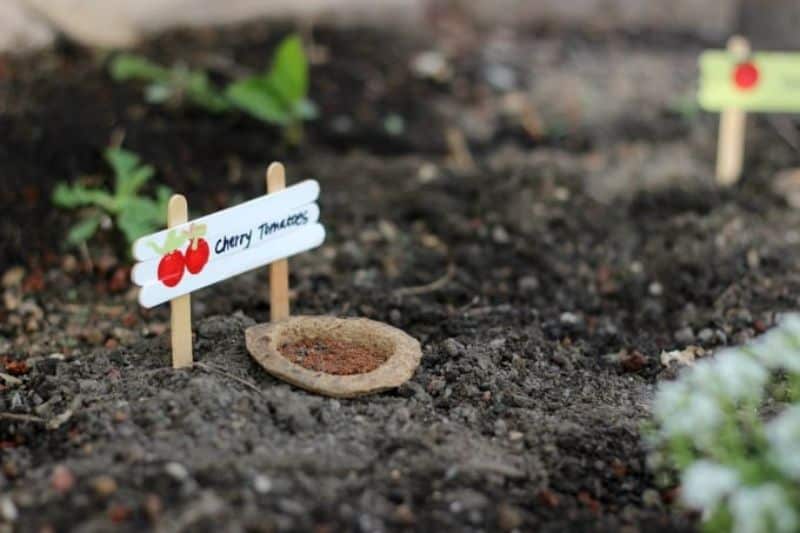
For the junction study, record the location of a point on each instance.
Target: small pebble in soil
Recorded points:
(497, 343)
(104, 485)
(685, 357)
(13, 277)
(453, 347)
(569, 318)
(651, 498)
(62, 479)
(656, 289)
(632, 360)
(8, 510)
(500, 77)
(508, 517)
(262, 484)
(153, 507)
(500, 235)
(431, 64)
(548, 498)
(403, 515)
(528, 283)
(177, 471)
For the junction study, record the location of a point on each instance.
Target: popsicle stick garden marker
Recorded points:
(342, 357)
(736, 81)
(732, 124)
(190, 255)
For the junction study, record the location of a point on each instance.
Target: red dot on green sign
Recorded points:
(745, 75)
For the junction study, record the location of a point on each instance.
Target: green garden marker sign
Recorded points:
(733, 82)
(765, 81)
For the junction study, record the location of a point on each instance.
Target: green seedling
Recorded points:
(170, 86)
(134, 215)
(278, 96)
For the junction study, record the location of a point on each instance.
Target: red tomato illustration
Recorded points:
(170, 268)
(745, 75)
(197, 254)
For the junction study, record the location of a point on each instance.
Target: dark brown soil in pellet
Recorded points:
(333, 356)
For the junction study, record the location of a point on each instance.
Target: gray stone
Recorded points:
(453, 347)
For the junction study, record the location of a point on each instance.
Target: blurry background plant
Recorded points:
(134, 215)
(173, 86)
(731, 427)
(278, 96)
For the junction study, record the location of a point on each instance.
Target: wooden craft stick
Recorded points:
(732, 124)
(181, 307)
(279, 270)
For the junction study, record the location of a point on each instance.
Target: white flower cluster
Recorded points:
(737, 465)
(763, 508)
(783, 433)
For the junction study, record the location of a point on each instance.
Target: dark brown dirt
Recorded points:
(543, 281)
(333, 356)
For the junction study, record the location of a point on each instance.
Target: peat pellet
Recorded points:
(339, 357)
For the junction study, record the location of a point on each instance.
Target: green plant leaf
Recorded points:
(121, 161)
(254, 96)
(279, 96)
(73, 196)
(83, 230)
(203, 93)
(131, 183)
(288, 76)
(139, 217)
(129, 175)
(133, 67)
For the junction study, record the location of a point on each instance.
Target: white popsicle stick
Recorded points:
(146, 272)
(306, 238)
(298, 195)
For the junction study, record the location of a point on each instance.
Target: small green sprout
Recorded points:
(280, 95)
(172, 86)
(134, 215)
(277, 96)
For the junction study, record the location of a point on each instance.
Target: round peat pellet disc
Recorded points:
(339, 357)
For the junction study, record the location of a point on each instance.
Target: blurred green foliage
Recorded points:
(278, 96)
(133, 215)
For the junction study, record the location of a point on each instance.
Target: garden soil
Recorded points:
(537, 208)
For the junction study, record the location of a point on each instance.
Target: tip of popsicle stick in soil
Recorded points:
(339, 357)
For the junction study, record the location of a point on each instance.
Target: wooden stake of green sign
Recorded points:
(736, 81)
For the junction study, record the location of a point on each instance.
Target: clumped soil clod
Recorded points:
(333, 356)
